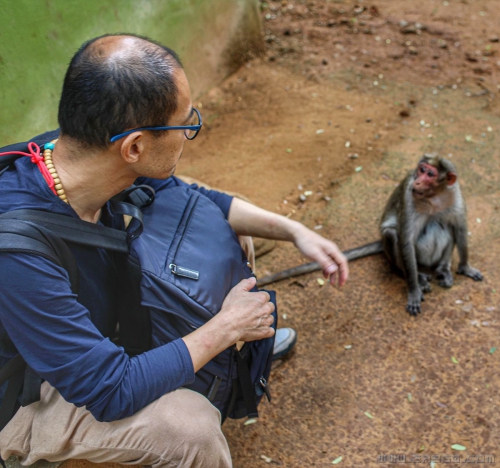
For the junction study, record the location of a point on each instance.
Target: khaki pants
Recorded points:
(181, 429)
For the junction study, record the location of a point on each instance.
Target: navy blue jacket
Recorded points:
(67, 341)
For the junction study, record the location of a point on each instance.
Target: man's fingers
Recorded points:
(247, 284)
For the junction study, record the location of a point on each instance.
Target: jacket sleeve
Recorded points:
(56, 337)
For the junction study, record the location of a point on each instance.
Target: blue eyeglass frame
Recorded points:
(197, 128)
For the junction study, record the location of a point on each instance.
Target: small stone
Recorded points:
(408, 30)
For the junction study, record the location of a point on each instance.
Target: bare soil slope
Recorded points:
(347, 98)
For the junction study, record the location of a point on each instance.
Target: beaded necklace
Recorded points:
(47, 157)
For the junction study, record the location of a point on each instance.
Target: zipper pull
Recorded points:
(184, 272)
(265, 387)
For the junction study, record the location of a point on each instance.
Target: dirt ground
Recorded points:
(347, 98)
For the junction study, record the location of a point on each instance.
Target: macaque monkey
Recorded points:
(423, 220)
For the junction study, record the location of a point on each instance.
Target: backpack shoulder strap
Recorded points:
(26, 237)
(73, 229)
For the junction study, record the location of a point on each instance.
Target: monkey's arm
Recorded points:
(410, 270)
(352, 254)
(460, 233)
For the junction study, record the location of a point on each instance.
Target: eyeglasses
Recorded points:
(189, 130)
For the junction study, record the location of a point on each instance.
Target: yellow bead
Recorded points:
(52, 171)
(57, 180)
(50, 166)
(60, 192)
(58, 186)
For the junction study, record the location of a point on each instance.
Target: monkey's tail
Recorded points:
(352, 254)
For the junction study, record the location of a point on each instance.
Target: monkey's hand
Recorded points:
(470, 272)
(414, 300)
(323, 251)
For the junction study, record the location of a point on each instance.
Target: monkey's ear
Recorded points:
(451, 178)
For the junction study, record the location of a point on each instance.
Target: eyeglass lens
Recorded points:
(190, 134)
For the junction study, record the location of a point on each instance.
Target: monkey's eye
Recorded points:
(431, 174)
(422, 169)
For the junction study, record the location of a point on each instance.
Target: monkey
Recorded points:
(423, 220)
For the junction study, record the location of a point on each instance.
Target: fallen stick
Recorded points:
(352, 254)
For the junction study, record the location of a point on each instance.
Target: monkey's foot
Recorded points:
(470, 272)
(413, 305)
(424, 282)
(445, 279)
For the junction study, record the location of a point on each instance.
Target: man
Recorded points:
(97, 403)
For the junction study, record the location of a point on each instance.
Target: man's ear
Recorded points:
(132, 147)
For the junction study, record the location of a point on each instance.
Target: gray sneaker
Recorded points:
(284, 341)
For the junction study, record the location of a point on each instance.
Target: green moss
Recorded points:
(37, 40)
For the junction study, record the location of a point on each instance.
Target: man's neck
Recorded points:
(89, 177)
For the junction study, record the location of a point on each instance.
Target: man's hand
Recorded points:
(319, 249)
(247, 313)
(244, 316)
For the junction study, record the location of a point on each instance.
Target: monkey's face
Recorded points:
(425, 183)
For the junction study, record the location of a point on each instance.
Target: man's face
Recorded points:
(167, 149)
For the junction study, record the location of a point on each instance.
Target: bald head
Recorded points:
(114, 83)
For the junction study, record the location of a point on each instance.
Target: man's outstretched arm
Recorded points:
(250, 220)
